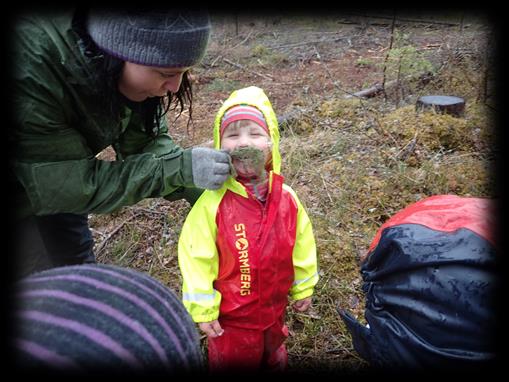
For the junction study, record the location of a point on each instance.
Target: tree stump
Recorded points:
(442, 104)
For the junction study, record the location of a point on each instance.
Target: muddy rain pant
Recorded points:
(246, 349)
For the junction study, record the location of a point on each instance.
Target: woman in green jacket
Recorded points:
(86, 80)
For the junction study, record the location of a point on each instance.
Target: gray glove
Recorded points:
(211, 167)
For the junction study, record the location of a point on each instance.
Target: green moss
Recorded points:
(250, 157)
(433, 131)
(222, 85)
(341, 108)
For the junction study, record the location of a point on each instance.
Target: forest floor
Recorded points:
(353, 162)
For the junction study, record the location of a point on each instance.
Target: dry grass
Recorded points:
(353, 163)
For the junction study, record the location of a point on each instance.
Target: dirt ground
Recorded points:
(300, 60)
(348, 160)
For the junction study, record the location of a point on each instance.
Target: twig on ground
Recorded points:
(309, 315)
(407, 149)
(215, 60)
(334, 82)
(141, 209)
(248, 70)
(97, 232)
(242, 42)
(311, 42)
(112, 233)
(393, 24)
(326, 189)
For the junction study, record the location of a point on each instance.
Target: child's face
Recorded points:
(242, 134)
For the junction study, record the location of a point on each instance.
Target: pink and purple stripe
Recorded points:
(243, 112)
(92, 334)
(116, 314)
(45, 355)
(127, 295)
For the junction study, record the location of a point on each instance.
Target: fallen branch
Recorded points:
(248, 70)
(399, 21)
(112, 233)
(242, 42)
(141, 210)
(310, 42)
(408, 149)
(309, 315)
(285, 120)
(215, 60)
(369, 92)
(379, 88)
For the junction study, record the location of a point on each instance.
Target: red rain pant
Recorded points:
(247, 349)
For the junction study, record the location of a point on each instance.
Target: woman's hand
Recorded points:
(302, 305)
(212, 328)
(210, 167)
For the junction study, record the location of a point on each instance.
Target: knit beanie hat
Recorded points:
(240, 112)
(102, 318)
(170, 38)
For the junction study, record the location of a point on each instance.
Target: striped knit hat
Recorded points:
(102, 318)
(240, 112)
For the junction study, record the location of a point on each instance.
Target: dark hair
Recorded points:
(152, 109)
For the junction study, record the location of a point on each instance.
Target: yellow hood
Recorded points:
(252, 96)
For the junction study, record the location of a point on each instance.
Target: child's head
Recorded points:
(243, 128)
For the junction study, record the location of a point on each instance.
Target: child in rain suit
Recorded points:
(248, 245)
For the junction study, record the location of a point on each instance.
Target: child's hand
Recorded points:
(302, 305)
(212, 328)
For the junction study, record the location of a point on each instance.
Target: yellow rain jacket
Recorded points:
(239, 258)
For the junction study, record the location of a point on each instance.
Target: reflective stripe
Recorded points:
(297, 282)
(199, 296)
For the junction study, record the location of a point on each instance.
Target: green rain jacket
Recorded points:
(59, 127)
